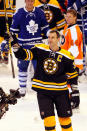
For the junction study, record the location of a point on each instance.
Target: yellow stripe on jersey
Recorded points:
(66, 53)
(61, 21)
(62, 51)
(72, 76)
(29, 55)
(44, 46)
(61, 26)
(45, 88)
(50, 83)
(72, 73)
(51, 2)
(54, 28)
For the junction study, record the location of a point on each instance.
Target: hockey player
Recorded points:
(52, 12)
(29, 23)
(73, 38)
(81, 7)
(8, 7)
(55, 67)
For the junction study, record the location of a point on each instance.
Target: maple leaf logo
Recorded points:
(32, 27)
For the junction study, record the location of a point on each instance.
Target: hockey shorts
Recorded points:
(47, 104)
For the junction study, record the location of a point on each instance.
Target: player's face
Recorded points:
(53, 41)
(29, 4)
(70, 19)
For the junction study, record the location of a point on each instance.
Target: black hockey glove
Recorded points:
(5, 100)
(16, 93)
(75, 97)
(14, 40)
(11, 37)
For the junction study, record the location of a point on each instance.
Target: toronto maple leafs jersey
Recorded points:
(29, 26)
(53, 69)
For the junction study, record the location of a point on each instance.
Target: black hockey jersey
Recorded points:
(53, 69)
(53, 13)
(10, 6)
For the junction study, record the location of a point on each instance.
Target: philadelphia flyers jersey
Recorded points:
(53, 68)
(53, 13)
(74, 43)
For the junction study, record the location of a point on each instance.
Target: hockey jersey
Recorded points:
(10, 7)
(63, 5)
(74, 43)
(29, 26)
(53, 13)
(53, 69)
(81, 7)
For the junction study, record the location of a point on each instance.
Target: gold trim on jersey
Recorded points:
(62, 51)
(56, 89)
(61, 21)
(42, 46)
(8, 12)
(51, 2)
(54, 28)
(29, 55)
(49, 85)
(66, 53)
(72, 75)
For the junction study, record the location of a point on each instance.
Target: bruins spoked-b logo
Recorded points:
(49, 15)
(50, 66)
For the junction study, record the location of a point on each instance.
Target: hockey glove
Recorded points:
(4, 46)
(75, 97)
(16, 93)
(12, 38)
(5, 100)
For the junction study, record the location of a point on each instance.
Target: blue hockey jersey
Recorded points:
(29, 26)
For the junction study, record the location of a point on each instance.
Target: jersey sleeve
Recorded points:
(26, 54)
(14, 6)
(71, 72)
(15, 23)
(63, 5)
(44, 23)
(60, 24)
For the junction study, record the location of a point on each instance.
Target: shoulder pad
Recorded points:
(43, 46)
(67, 54)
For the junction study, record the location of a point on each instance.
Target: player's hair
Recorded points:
(57, 33)
(72, 11)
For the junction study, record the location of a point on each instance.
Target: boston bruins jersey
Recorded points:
(53, 68)
(10, 6)
(53, 13)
